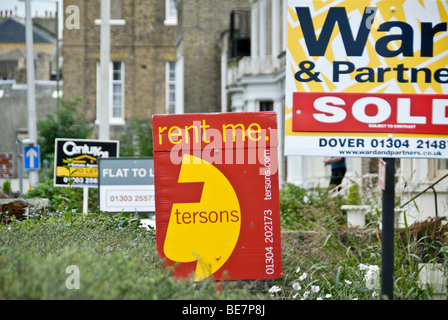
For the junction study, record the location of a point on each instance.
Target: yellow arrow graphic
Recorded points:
(205, 231)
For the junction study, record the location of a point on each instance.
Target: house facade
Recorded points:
(202, 24)
(257, 82)
(13, 82)
(142, 55)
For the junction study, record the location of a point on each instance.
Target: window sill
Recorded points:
(170, 22)
(113, 122)
(112, 22)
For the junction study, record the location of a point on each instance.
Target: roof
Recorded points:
(14, 55)
(12, 30)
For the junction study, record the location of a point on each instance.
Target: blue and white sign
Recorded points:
(31, 157)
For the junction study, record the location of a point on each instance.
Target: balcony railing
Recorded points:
(253, 66)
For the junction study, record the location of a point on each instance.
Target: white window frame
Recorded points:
(439, 173)
(112, 120)
(170, 82)
(112, 22)
(170, 13)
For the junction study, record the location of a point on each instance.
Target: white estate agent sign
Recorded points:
(126, 185)
(367, 78)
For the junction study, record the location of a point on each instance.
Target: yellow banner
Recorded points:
(77, 172)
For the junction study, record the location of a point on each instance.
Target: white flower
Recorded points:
(362, 266)
(295, 296)
(315, 289)
(303, 276)
(298, 269)
(275, 289)
(348, 282)
(296, 286)
(319, 298)
(372, 277)
(305, 295)
(327, 296)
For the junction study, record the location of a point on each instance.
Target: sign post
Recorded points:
(19, 143)
(84, 155)
(31, 89)
(368, 79)
(217, 195)
(387, 265)
(31, 157)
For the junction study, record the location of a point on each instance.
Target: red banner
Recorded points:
(217, 197)
(366, 112)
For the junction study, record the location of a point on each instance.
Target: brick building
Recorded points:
(201, 26)
(143, 35)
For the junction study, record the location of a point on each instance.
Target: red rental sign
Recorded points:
(217, 196)
(367, 112)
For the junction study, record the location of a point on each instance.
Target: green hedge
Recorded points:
(116, 259)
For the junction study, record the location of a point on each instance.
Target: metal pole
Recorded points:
(85, 202)
(387, 265)
(20, 168)
(104, 108)
(45, 163)
(32, 130)
(57, 55)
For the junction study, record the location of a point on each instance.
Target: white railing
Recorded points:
(258, 65)
(253, 66)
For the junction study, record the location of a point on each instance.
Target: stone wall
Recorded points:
(203, 23)
(14, 111)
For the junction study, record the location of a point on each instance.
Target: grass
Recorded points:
(117, 259)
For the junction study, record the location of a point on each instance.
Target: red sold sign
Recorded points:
(365, 112)
(217, 198)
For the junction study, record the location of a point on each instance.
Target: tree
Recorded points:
(65, 122)
(137, 142)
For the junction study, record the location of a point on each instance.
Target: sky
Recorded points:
(37, 6)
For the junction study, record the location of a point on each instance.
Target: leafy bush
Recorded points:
(65, 122)
(325, 260)
(6, 189)
(138, 141)
(116, 258)
(61, 198)
(354, 197)
(309, 209)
